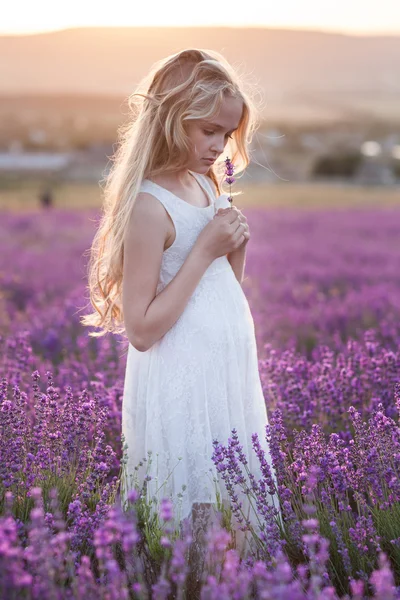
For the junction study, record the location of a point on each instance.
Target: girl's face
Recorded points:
(209, 136)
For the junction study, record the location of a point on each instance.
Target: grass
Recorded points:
(19, 195)
(317, 196)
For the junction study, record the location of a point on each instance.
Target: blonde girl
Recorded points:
(166, 269)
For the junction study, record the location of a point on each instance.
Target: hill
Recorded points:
(304, 71)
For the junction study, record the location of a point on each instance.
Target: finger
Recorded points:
(240, 228)
(239, 235)
(231, 208)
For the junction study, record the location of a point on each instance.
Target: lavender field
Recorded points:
(324, 289)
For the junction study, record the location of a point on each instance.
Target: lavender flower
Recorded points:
(327, 318)
(229, 169)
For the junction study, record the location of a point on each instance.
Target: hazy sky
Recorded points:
(355, 16)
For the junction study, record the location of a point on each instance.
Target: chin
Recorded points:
(201, 167)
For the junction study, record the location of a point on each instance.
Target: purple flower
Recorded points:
(229, 169)
(166, 509)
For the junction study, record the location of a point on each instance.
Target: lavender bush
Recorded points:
(324, 289)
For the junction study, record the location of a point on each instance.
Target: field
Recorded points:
(17, 196)
(323, 282)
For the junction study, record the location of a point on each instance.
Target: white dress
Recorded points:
(200, 380)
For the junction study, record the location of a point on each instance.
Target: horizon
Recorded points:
(304, 29)
(357, 18)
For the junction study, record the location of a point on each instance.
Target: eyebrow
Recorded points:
(217, 126)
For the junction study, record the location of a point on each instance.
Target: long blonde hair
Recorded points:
(186, 85)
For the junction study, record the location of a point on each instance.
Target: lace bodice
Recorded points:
(188, 221)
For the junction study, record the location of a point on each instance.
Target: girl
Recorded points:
(166, 268)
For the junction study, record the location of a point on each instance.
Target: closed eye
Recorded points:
(212, 133)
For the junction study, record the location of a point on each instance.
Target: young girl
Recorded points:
(166, 269)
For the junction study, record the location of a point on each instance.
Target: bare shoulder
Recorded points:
(148, 213)
(146, 203)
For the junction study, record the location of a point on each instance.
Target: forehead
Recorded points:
(218, 126)
(228, 116)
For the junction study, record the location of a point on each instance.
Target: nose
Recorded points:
(218, 146)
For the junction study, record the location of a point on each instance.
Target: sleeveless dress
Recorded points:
(199, 381)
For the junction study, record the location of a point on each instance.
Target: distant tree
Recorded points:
(396, 168)
(337, 165)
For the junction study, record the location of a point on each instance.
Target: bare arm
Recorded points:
(148, 317)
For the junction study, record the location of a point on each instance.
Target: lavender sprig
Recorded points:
(229, 168)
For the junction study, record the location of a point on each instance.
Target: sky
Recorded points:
(347, 16)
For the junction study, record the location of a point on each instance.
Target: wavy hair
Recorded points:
(186, 85)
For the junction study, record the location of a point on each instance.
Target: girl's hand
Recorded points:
(242, 219)
(221, 236)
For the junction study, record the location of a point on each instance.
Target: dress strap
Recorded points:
(209, 186)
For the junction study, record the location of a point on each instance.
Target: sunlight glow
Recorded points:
(354, 16)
